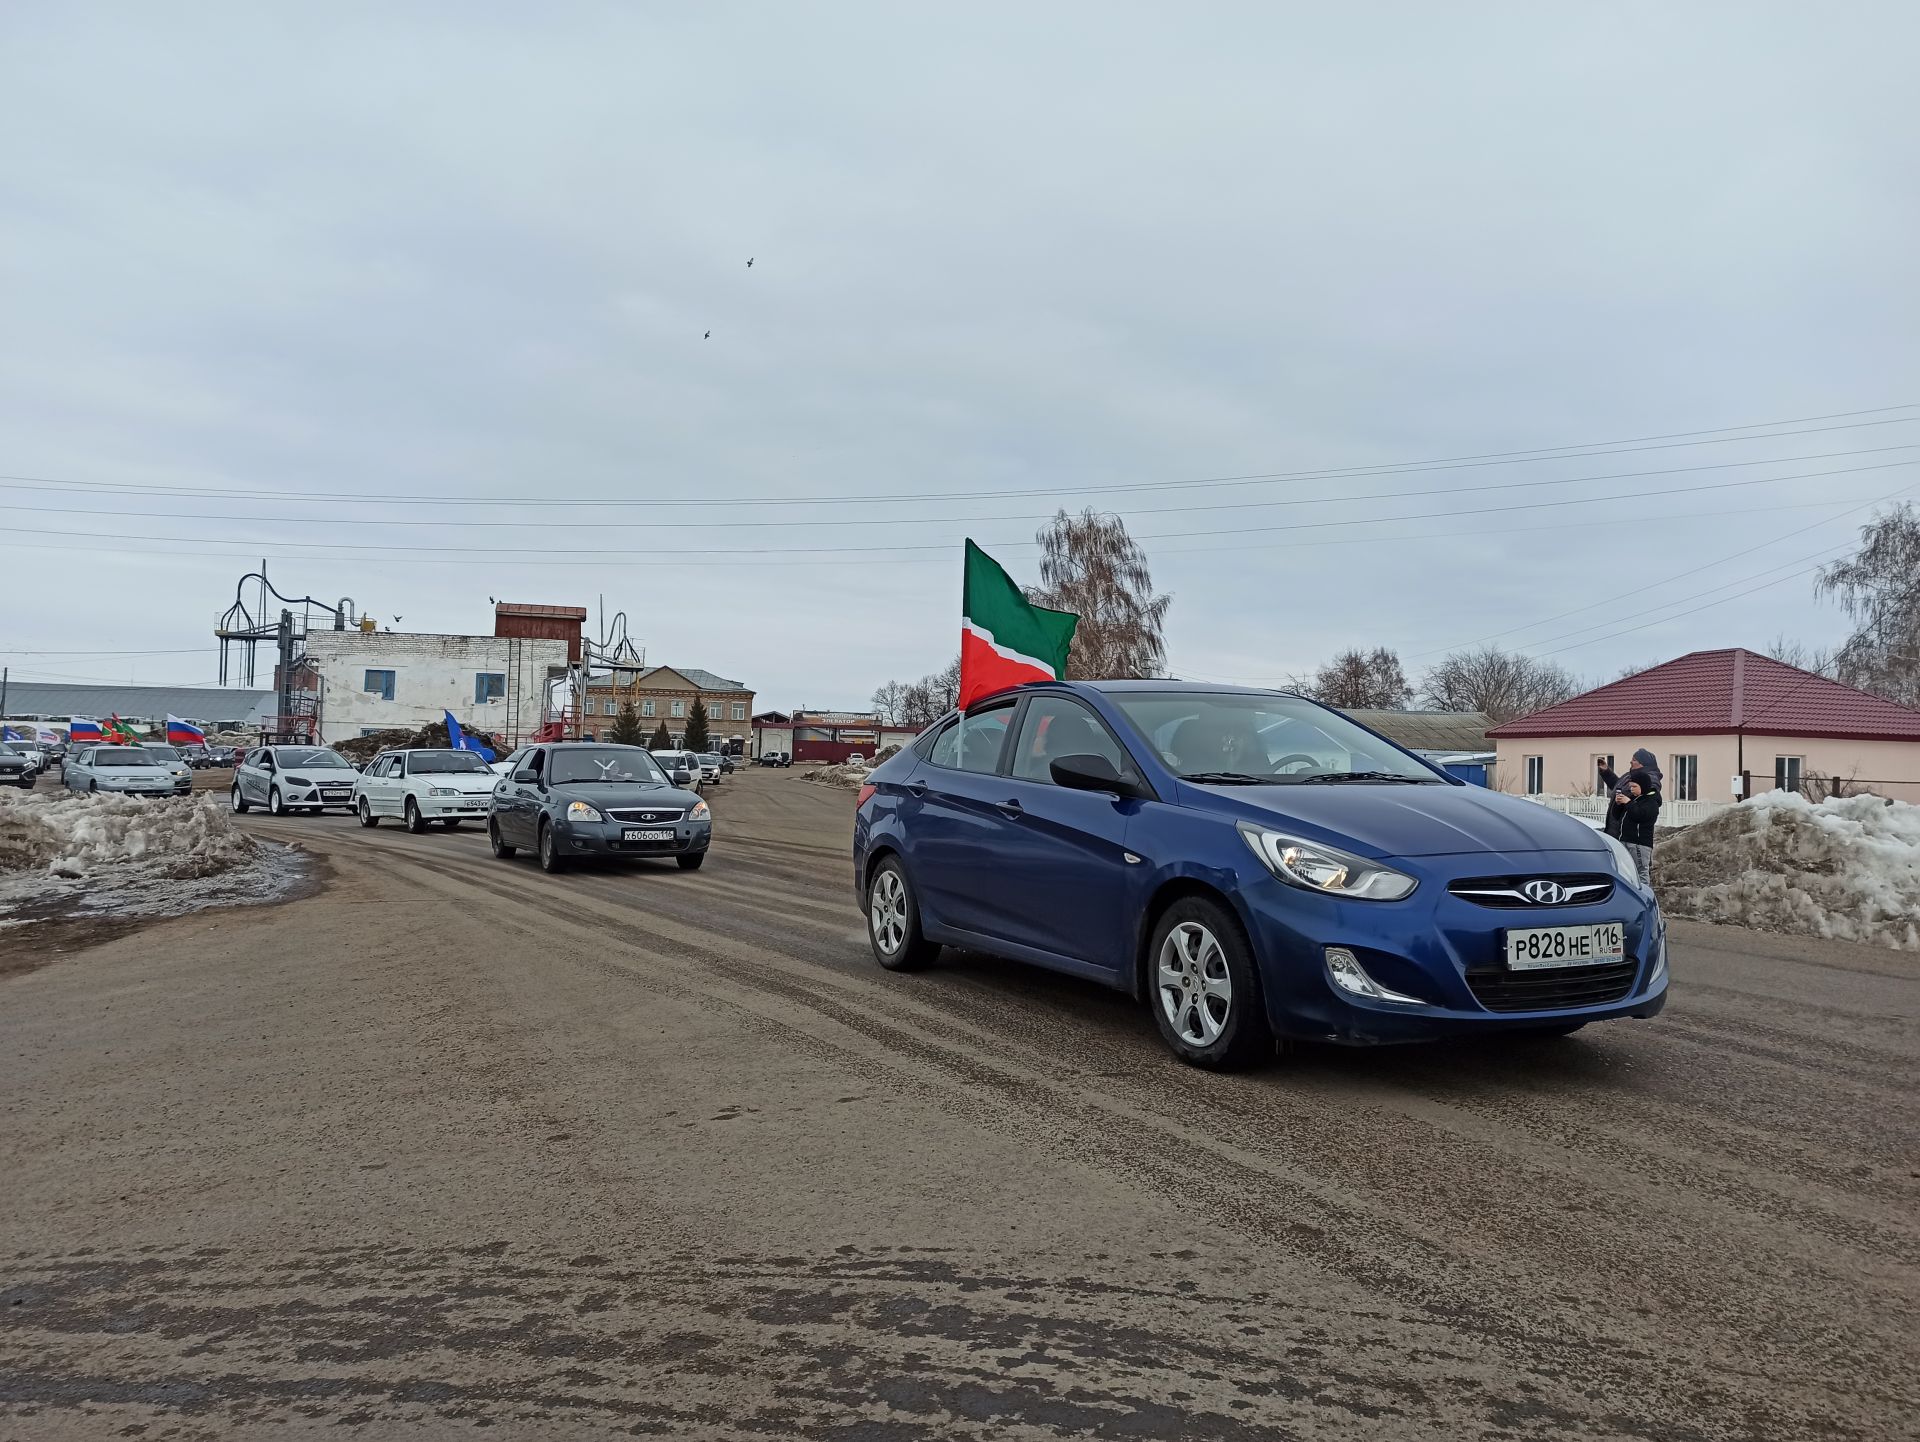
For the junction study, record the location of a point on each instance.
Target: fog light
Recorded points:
(1351, 977)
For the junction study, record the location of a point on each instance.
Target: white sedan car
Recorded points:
(293, 778)
(419, 786)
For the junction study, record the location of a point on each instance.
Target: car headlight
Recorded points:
(1622, 859)
(451, 791)
(701, 812)
(1313, 866)
(580, 811)
(298, 781)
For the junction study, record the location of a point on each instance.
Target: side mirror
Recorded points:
(524, 777)
(1090, 773)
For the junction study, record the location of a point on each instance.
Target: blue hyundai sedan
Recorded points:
(1255, 866)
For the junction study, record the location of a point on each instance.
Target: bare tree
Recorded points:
(1362, 679)
(1817, 659)
(1879, 589)
(889, 702)
(1503, 684)
(928, 699)
(1090, 566)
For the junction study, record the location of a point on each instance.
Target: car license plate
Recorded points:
(1544, 946)
(336, 795)
(635, 833)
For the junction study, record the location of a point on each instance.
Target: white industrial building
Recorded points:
(386, 680)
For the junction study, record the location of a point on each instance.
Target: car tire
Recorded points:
(893, 920)
(1204, 988)
(550, 858)
(500, 849)
(367, 818)
(416, 823)
(691, 861)
(241, 806)
(92, 785)
(452, 823)
(276, 804)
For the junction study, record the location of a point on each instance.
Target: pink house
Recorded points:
(1712, 717)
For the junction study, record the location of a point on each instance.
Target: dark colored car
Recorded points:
(17, 768)
(570, 800)
(1255, 866)
(775, 758)
(727, 764)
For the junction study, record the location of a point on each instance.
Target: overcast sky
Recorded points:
(338, 254)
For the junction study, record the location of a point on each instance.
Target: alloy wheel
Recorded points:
(1195, 987)
(887, 911)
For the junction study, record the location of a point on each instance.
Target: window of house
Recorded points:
(1684, 783)
(1593, 772)
(489, 686)
(379, 683)
(679, 708)
(739, 710)
(1536, 775)
(646, 708)
(1786, 773)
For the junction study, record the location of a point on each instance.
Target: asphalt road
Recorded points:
(454, 1145)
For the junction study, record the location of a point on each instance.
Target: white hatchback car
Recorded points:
(430, 784)
(293, 778)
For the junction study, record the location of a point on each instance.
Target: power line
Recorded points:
(1485, 459)
(181, 651)
(582, 553)
(1662, 620)
(650, 525)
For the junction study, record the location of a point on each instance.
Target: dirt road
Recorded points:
(456, 1145)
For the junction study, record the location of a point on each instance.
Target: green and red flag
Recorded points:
(118, 732)
(1004, 638)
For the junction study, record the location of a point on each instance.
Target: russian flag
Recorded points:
(82, 732)
(184, 733)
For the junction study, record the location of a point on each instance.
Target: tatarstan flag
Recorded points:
(118, 732)
(1004, 638)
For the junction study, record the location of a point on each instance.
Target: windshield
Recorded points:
(311, 756)
(161, 751)
(134, 757)
(433, 762)
(710, 758)
(601, 763)
(6, 750)
(1261, 738)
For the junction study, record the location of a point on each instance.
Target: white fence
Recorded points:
(1672, 813)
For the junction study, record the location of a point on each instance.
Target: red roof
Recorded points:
(1716, 692)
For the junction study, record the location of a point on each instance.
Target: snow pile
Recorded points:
(885, 753)
(67, 854)
(851, 778)
(1847, 868)
(73, 836)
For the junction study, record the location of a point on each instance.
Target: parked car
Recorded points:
(775, 758)
(854, 758)
(171, 757)
(294, 778)
(570, 800)
(424, 785)
(132, 770)
(710, 767)
(1252, 864)
(681, 769)
(16, 767)
(727, 764)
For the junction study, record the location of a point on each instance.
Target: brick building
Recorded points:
(666, 694)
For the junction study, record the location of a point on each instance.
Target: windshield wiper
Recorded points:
(1332, 776)
(1228, 778)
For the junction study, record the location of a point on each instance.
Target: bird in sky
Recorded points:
(749, 262)
(707, 336)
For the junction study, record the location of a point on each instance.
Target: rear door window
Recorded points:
(983, 736)
(944, 749)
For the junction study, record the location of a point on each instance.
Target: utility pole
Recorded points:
(5, 671)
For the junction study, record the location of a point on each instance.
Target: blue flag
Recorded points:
(460, 741)
(12, 733)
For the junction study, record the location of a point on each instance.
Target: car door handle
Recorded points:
(1013, 807)
(917, 789)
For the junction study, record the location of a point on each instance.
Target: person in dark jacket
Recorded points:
(1634, 808)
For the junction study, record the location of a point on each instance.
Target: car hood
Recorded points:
(467, 783)
(1388, 820)
(596, 793)
(155, 772)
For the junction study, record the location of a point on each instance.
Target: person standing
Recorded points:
(1633, 810)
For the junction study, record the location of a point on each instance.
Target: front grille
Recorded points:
(645, 815)
(1554, 989)
(1584, 889)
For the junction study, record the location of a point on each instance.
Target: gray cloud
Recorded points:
(473, 248)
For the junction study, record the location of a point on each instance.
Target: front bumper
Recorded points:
(464, 808)
(1444, 951)
(607, 838)
(326, 797)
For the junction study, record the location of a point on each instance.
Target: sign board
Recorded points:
(1739, 786)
